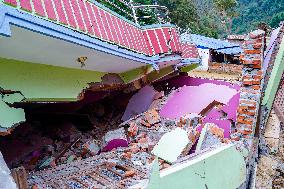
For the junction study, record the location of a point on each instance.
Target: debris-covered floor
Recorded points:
(270, 169)
(175, 120)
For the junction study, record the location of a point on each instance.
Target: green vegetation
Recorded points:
(118, 7)
(254, 12)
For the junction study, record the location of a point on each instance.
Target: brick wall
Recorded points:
(228, 68)
(252, 75)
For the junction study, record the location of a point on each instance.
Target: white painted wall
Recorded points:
(205, 58)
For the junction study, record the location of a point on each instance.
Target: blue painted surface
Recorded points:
(220, 46)
(233, 50)
(157, 26)
(190, 61)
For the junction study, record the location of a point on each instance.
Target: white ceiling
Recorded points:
(33, 47)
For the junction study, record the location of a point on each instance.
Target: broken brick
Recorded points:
(249, 51)
(133, 129)
(129, 173)
(256, 62)
(257, 45)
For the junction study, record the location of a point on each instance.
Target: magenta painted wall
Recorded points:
(212, 117)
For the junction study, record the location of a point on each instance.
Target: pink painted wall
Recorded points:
(192, 98)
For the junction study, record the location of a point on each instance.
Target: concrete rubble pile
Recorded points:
(124, 157)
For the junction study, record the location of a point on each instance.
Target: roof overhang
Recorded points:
(32, 39)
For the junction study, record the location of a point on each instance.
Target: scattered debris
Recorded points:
(91, 147)
(120, 155)
(270, 167)
(114, 139)
(211, 135)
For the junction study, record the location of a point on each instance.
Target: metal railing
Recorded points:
(96, 21)
(138, 13)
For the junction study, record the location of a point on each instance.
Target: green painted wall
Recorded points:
(155, 75)
(224, 169)
(152, 74)
(275, 78)
(38, 82)
(10, 116)
(44, 82)
(135, 74)
(189, 68)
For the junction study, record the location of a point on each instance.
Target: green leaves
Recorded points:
(276, 19)
(225, 5)
(254, 12)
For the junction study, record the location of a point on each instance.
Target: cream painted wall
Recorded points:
(204, 54)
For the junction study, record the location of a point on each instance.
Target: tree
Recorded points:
(182, 12)
(227, 11)
(191, 15)
(254, 12)
(276, 19)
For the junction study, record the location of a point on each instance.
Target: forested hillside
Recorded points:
(253, 12)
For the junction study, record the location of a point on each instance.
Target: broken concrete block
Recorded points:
(211, 135)
(189, 121)
(133, 129)
(140, 102)
(171, 145)
(151, 117)
(140, 184)
(114, 139)
(91, 147)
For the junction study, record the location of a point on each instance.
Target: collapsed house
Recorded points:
(216, 55)
(90, 99)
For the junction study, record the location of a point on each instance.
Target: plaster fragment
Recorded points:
(171, 145)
